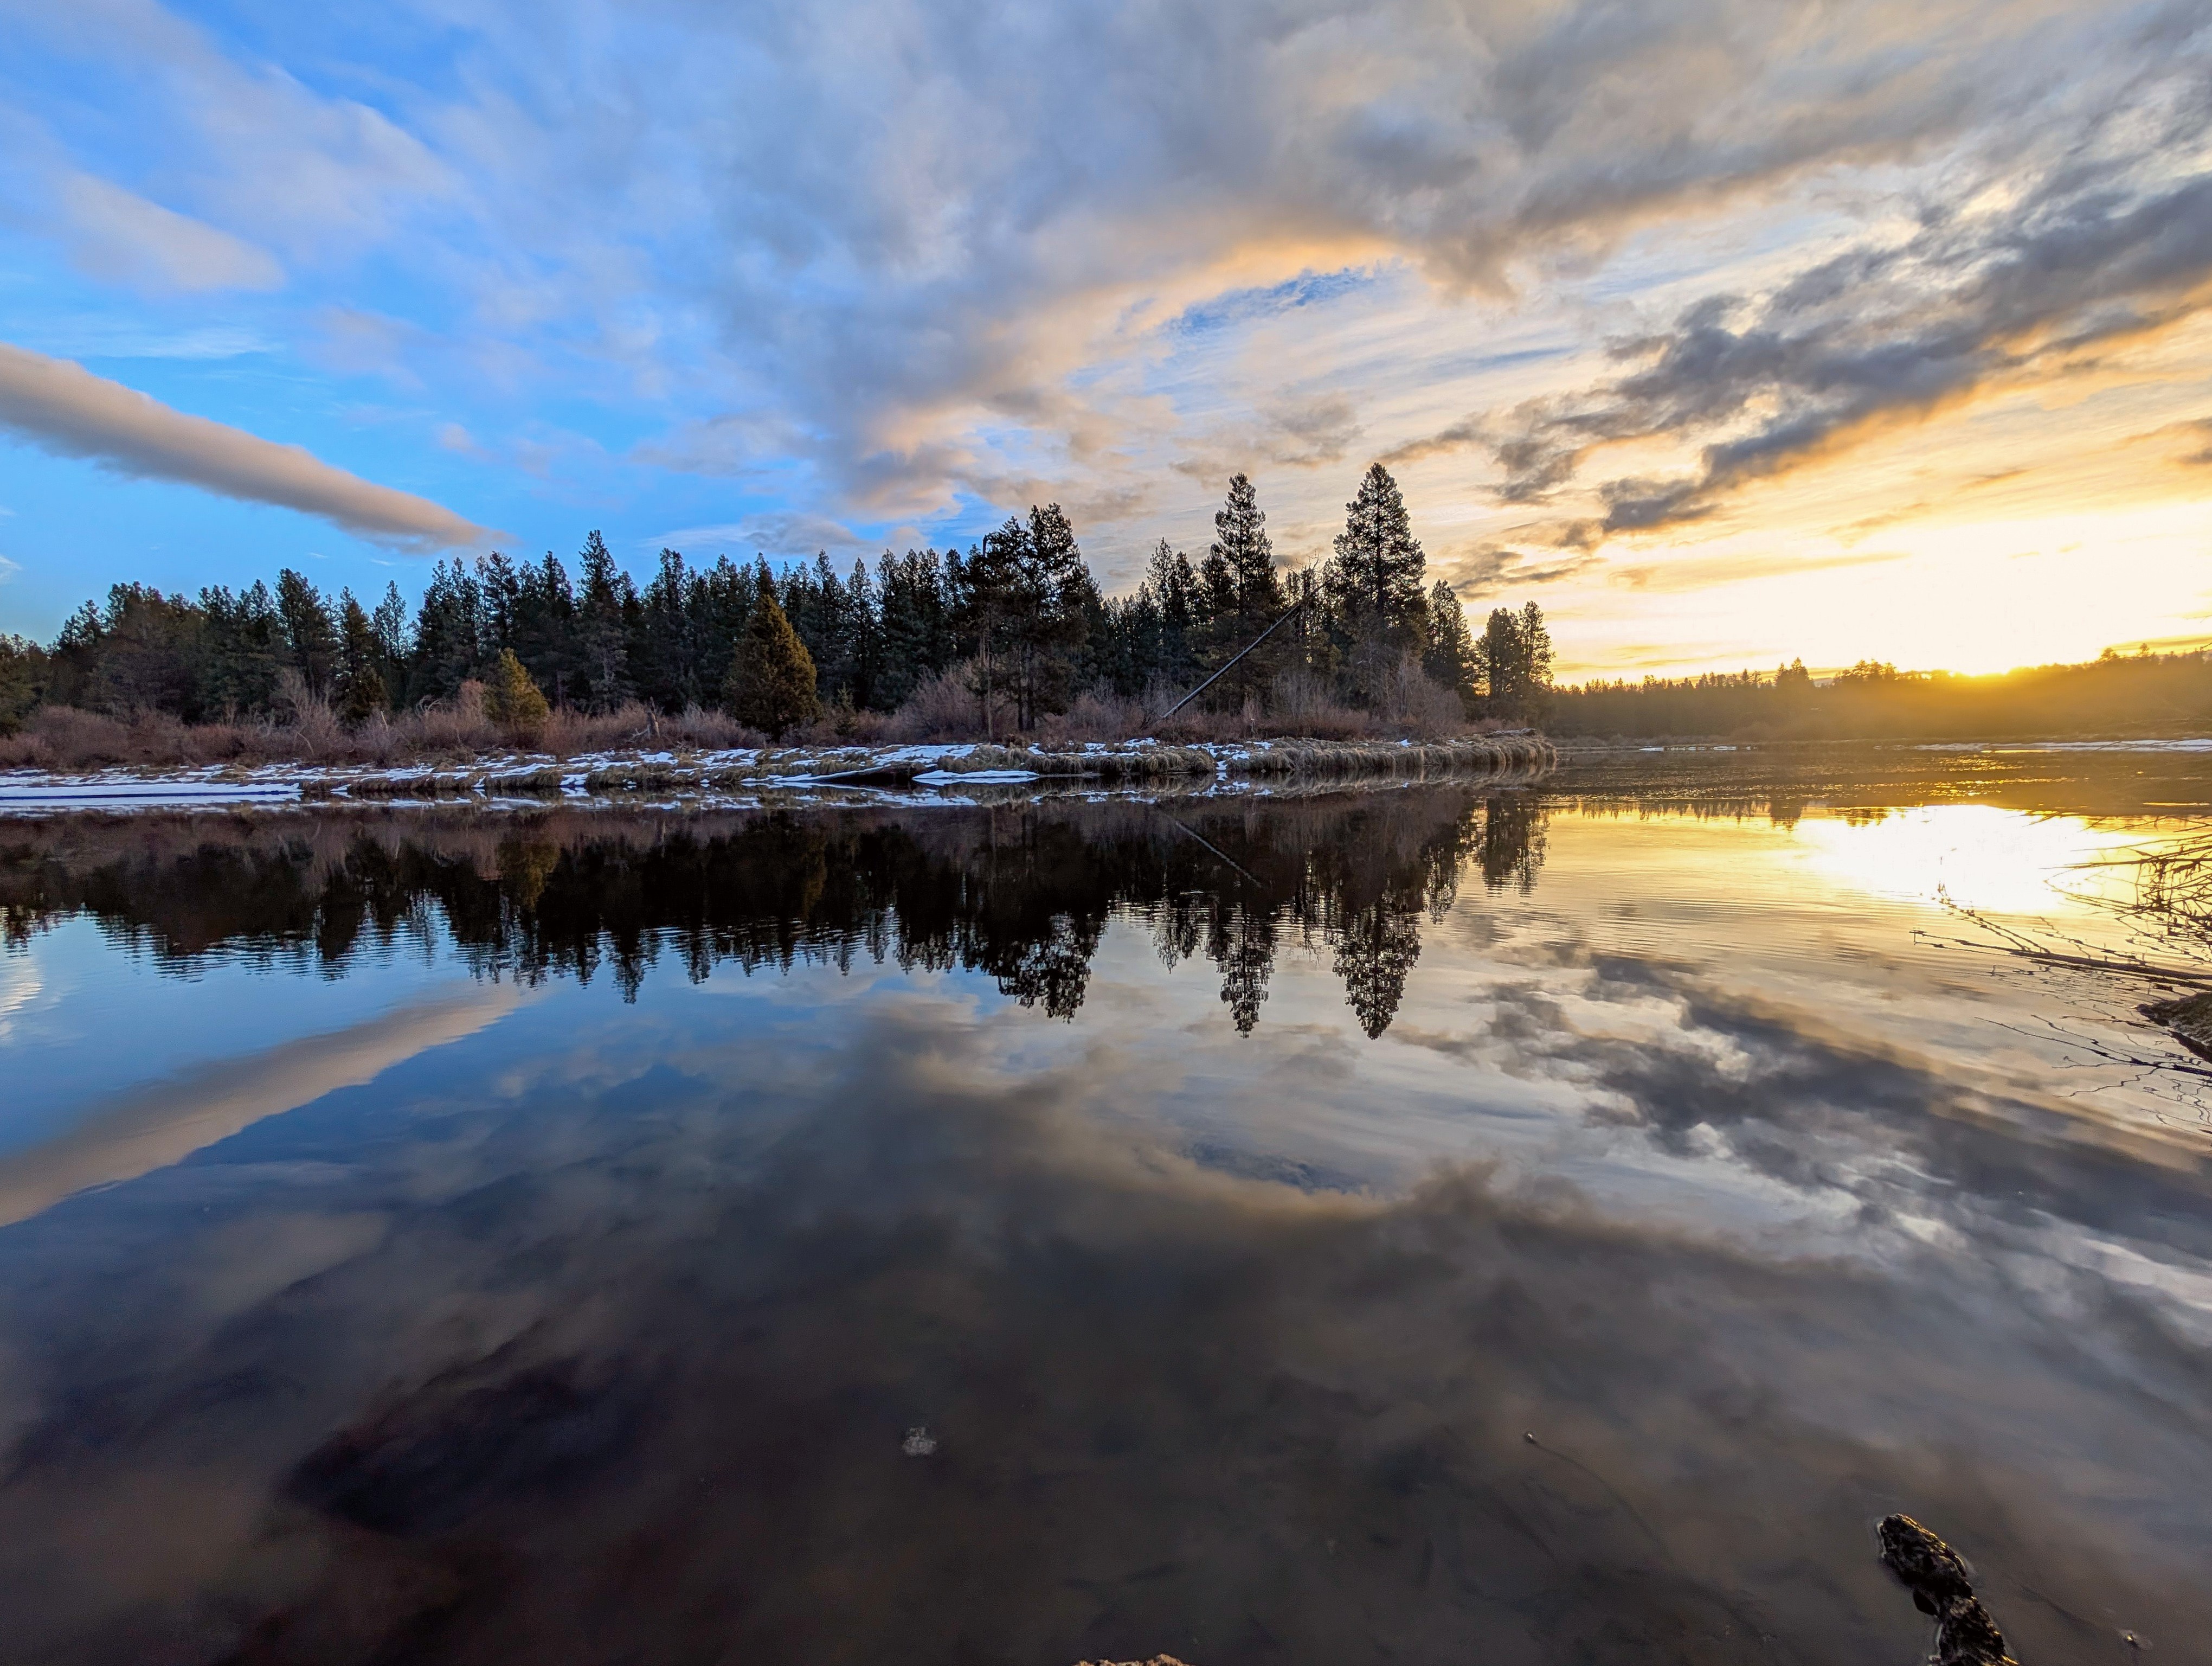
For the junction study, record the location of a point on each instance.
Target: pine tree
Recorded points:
(1244, 591)
(23, 670)
(511, 699)
(1170, 600)
(448, 634)
(359, 682)
(309, 634)
(771, 680)
(1373, 582)
(389, 622)
(1048, 616)
(1448, 657)
(1499, 659)
(605, 612)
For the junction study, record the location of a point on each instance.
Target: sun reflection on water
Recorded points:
(1975, 855)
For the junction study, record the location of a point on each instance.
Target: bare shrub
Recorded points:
(845, 725)
(313, 728)
(64, 737)
(1416, 703)
(1304, 704)
(633, 723)
(1098, 714)
(455, 728)
(710, 731)
(376, 739)
(945, 706)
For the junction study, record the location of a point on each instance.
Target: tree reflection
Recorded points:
(1021, 894)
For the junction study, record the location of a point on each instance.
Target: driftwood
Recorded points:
(1936, 1576)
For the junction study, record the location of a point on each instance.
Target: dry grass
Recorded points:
(945, 709)
(61, 737)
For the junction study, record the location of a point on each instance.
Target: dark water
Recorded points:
(1426, 1224)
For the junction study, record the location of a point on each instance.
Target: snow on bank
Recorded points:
(742, 777)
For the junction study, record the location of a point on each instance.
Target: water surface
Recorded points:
(1531, 1223)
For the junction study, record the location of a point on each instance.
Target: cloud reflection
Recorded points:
(149, 1128)
(614, 1372)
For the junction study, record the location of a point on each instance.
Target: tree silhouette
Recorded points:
(1373, 581)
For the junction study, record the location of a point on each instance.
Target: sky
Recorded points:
(1728, 331)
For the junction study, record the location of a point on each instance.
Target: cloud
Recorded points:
(64, 408)
(861, 254)
(778, 536)
(2098, 247)
(118, 234)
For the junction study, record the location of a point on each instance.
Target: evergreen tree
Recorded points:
(389, 624)
(1535, 664)
(245, 646)
(988, 587)
(511, 699)
(358, 683)
(664, 655)
(1244, 592)
(311, 637)
(73, 661)
(1048, 613)
(771, 681)
(542, 628)
(23, 672)
(1448, 656)
(448, 634)
(722, 600)
(606, 607)
(1170, 618)
(1515, 658)
(1373, 582)
(1499, 659)
(151, 652)
(914, 624)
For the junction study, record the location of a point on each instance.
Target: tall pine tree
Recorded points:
(1245, 590)
(1373, 581)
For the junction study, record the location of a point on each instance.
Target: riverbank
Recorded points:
(753, 775)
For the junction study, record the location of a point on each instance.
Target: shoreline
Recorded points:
(738, 777)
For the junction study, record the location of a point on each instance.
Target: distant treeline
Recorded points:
(2118, 695)
(1016, 619)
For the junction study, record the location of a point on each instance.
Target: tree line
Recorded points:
(2118, 693)
(1017, 618)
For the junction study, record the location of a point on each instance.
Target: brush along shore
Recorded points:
(683, 772)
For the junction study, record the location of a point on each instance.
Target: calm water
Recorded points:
(1534, 1224)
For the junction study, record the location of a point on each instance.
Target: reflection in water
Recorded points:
(1611, 1222)
(1020, 894)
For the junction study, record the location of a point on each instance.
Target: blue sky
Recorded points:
(1718, 327)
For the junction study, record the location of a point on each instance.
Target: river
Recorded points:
(1530, 1222)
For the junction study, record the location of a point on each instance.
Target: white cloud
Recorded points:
(117, 234)
(64, 408)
